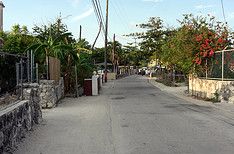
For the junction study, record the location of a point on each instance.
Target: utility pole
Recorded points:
(76, 74)
(113, 54)
(106, 33)
(80, 33)
(1, 15)
(99, 31)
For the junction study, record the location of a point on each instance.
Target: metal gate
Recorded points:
(16, 69)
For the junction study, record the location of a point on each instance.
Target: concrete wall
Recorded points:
(204, 88)
(17, 119)
(50, 92)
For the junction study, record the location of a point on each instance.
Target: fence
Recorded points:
(222, 67)
(54, 69)
(15, 70)
(7, 73)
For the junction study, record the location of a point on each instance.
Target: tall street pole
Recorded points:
(113, 55)
(106, 33)
(76, 73)
(80, 33)
(1, 15)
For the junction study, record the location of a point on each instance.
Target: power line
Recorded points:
(98, 13)
(95, 10)
(224, 17)
(100, 8)
(99, 16)
(98, 5)
(119, 15)
(123, 10)
(122, 15)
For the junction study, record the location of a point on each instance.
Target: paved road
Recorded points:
(132, 117)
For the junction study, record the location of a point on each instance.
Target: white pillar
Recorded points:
(1, 15)
(94, 85)
(100, 76)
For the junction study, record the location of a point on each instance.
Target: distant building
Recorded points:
(1, 15)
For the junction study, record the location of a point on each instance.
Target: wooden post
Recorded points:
(106, 33)
(21, 77)
(77, 90)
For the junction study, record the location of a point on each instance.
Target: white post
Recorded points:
(206, 69)
(94, 85)
(100, 76)
(222, 65)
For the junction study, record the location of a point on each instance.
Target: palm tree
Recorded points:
(53, 46)
(16, 29)
(118, 54)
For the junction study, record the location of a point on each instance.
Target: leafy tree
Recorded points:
(16, 29)
(177, 50)
(53, 30)
(17, 40)
(115, 54)
(131, 55)
(151, 39)
(55, 40)
(85, 66)
(98, 55)
(194, 43)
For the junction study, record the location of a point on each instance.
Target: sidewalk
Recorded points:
(180, 93)
(77, 125)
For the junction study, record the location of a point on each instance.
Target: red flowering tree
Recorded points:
(209, 41)
(209, 36)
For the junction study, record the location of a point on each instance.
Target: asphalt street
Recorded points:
(131, 116)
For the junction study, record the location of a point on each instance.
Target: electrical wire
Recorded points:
(224, 17)
(118, 16)
(122, 16)
(99, 9)
(98, 12)
(99, 15)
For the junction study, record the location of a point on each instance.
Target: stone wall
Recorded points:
(17, 119)
(51, 92)
(226, 93)
(204, 88)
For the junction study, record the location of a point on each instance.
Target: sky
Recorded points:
(123, 14)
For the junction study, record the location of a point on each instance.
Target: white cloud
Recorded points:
(154, 1)
(83, 15)
(201, 6)
(74, 3)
